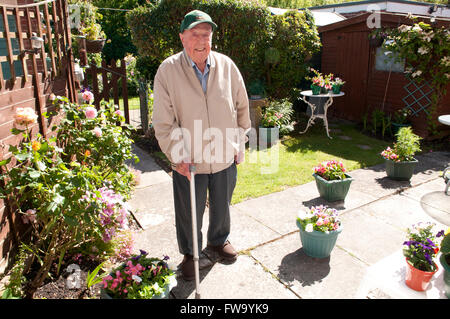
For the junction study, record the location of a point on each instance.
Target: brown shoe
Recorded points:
(187, 268)
(226, 251)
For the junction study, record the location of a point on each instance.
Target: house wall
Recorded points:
(346, 53)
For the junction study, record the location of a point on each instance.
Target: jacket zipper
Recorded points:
(209, 127)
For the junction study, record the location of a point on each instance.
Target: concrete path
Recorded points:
(366, 262)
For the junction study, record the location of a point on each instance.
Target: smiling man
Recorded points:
(201, 117)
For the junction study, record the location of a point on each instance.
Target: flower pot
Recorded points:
(95, 46)
(164, 295)
(397, 126)
(401, 171)
(268, 136)
(336, 88)
(417, 279)
(446, 267)
(315, 89)
(318, 244)
(333, 190)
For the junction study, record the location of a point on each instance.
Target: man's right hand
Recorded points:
(183, 168)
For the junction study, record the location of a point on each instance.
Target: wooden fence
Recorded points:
(27, 79)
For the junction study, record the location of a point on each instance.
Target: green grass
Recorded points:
(298, 154)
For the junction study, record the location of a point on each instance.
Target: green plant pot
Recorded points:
(397, 126)
(333, 190)
(318, 244)
(400, 171)
(315, 89)
(446, 267)
(268, 136)
(337, 89)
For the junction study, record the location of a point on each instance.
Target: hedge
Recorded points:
(246, 32)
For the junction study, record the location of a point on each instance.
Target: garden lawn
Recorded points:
(298, 154)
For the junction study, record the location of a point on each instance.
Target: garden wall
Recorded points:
(20, 88)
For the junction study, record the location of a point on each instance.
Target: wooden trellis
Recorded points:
(18, 23)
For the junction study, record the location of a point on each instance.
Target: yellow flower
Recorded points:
(36, 146)
(447, 231)
(87, 153)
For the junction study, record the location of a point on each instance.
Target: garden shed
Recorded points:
(36, 60)
(370, 82)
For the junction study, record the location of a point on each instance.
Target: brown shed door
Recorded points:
(352, 66)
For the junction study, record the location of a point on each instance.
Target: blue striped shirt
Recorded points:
(202, 77)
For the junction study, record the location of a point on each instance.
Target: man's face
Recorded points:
(197, 42)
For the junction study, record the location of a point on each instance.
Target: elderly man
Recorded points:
(200, 117)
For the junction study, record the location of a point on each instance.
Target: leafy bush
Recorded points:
(283, 111)
(70, 188)
(266, 48)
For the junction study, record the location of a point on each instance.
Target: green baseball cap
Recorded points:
(191, 19)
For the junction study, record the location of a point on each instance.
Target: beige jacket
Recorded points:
(207, 128)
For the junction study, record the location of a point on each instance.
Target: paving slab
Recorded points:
(337, 276)
(152, 204)
(388, 277)
(150, 172)
(243, 279)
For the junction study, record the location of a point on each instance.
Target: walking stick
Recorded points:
(194, 232)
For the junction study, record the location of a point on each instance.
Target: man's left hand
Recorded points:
(239, 158)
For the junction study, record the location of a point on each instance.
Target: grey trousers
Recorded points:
(220, 186)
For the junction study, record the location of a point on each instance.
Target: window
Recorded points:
(387, 61)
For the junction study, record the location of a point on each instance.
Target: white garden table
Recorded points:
(329, 96)
(445, 119)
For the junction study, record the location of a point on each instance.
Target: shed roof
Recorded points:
(399, 6)
(385, 17)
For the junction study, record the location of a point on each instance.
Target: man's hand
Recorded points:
(183, 168)
(239, 158)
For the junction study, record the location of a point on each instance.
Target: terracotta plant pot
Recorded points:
(417, 279)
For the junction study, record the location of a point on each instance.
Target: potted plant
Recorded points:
(332, 182)
(400, 161)
(421, 248)
(95, 37)
(337, 85)
(140, 277)
(319, 228)
(445, 260)
(400, 119)
(269, 129)
(256, 90)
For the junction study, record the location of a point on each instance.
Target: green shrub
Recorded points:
(242, 31)
(267, 49)
(70, 188)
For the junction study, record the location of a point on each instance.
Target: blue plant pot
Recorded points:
(335, 190)
(318, 244)
(400, 171)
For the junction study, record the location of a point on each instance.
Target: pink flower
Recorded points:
(90, 112)
(118, 112)
(319, 222)
(25, 116)
(98, 131)
(87, 96)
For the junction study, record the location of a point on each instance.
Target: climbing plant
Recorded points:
(426, 52)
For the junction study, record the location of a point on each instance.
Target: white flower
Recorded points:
(447, 75)
(303, 215)
(423, 50)
(136, 278)
(445, 61)
(309, 228)
(417, 73)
